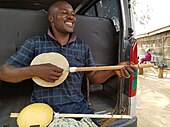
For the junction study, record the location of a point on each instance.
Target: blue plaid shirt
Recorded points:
(67, 97)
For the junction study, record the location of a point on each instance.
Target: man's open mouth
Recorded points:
(69, 24)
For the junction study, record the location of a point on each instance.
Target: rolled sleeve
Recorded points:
(23, 56)
(89, 59)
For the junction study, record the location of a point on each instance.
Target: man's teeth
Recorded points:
(69, 23)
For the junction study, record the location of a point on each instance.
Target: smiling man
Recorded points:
(67, 97)
(62, 20)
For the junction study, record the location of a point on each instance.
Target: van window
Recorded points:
(106, 9)
(91, 12)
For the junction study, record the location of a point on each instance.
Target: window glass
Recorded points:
(106, 9)
(91, 12)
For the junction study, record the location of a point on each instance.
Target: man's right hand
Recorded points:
(47, 72)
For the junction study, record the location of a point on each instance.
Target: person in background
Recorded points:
(147, 57)
(60, 38)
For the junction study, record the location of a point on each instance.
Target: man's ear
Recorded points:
(50, 18)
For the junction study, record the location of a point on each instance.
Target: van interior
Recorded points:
(100, 34)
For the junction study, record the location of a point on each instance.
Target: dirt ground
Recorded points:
(153, 101)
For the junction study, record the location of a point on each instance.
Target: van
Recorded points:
(107, 27)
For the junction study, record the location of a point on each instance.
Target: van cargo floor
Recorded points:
(101, 102)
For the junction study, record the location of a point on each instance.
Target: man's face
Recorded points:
(64, 18)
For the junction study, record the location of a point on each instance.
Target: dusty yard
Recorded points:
(153, 101)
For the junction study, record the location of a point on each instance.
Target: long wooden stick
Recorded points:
(84, 115)
(117, 67)
(93, 116)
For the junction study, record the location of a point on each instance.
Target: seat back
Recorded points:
(100, 34)
(15, 27)
(18, 25)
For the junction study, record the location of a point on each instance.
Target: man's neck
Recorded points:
(62, 38)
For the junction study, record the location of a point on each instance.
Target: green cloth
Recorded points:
(70, 122)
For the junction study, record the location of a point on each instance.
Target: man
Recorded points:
(67, 97)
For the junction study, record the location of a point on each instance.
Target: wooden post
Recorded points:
(140, 71)
(160, 72)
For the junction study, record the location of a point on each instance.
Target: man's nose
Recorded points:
(71, 16)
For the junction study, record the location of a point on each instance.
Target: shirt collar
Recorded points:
(72, 38)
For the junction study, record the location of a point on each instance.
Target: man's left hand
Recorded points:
(126, 71)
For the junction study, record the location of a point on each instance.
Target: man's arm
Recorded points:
(47, 72)
(99, 76)
(102, 76)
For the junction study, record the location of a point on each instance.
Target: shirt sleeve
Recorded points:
(23, 56)
(89, 58)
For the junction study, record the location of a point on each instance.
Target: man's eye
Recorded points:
(64, 12)
(73, 14)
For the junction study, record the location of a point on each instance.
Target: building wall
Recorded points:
(159, 44)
